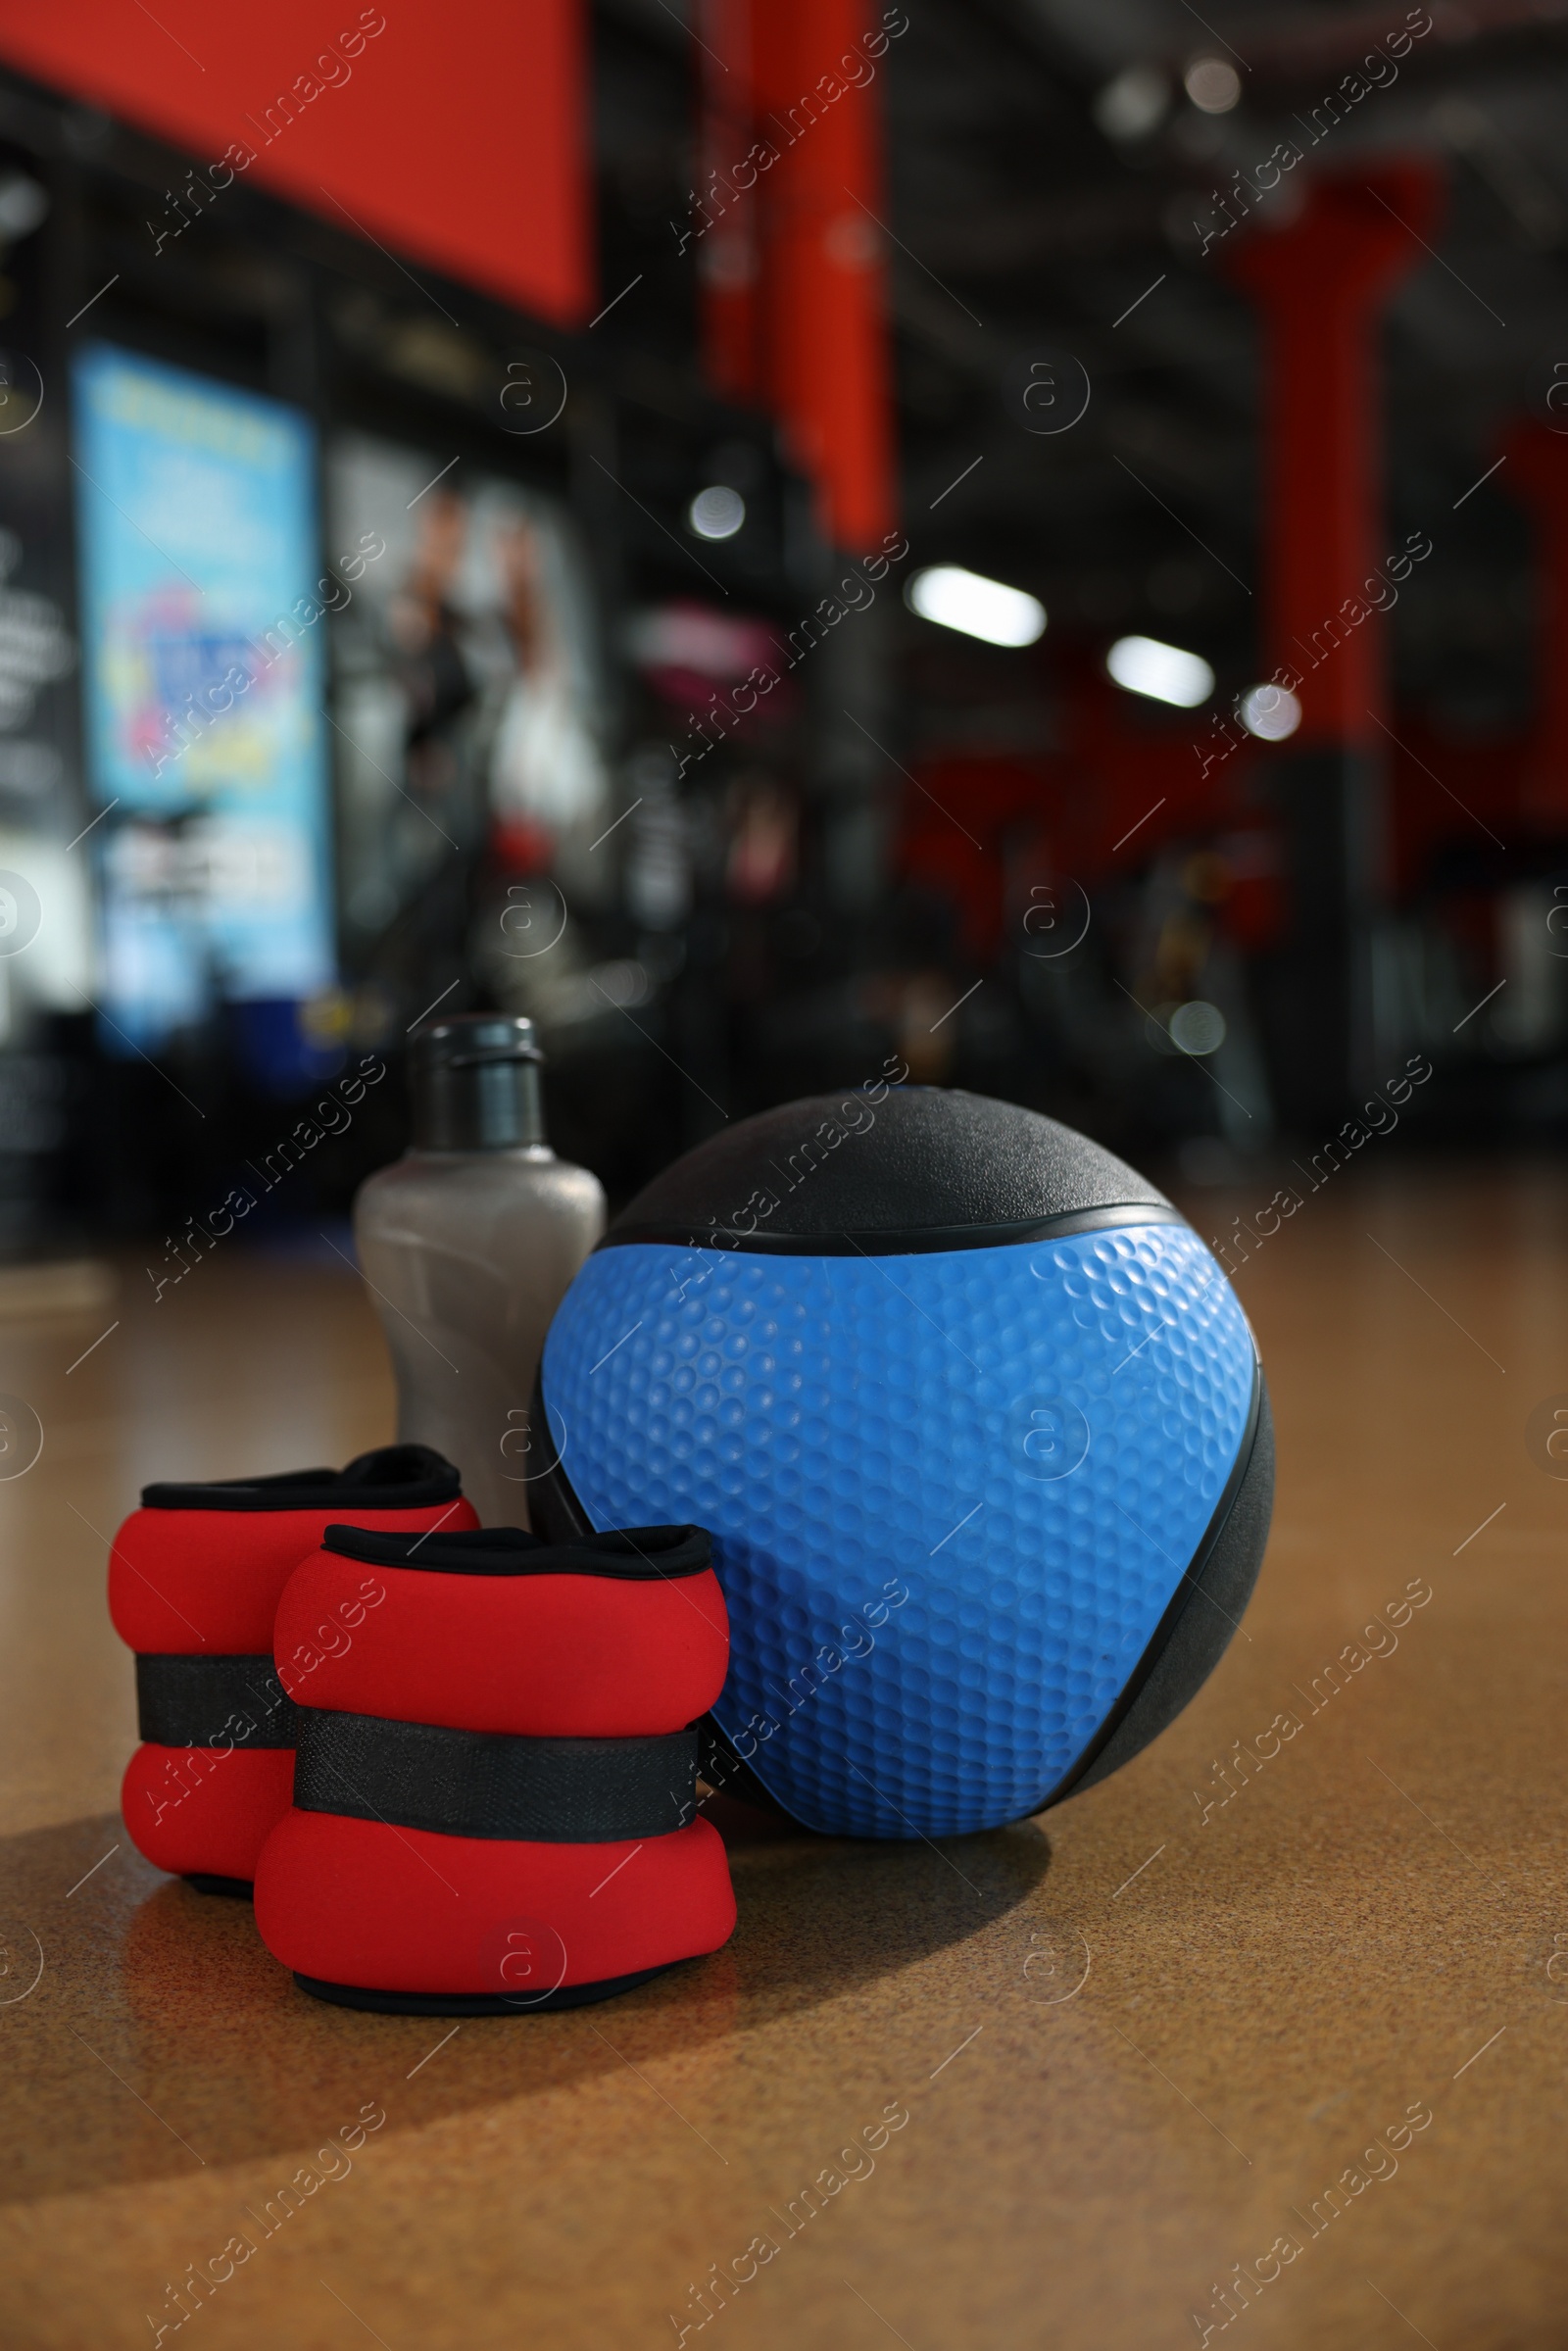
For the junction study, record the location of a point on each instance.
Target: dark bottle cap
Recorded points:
(474, 1081)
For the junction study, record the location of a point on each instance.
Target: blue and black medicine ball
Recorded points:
(978, 1427)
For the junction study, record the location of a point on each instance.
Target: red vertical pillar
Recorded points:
(817, 64)
(1320, 282)
(1537, 473)
(794, 308)
(731, 194)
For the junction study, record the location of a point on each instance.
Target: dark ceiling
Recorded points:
(1047, 179)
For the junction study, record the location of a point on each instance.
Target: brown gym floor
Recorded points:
(1136, 2045)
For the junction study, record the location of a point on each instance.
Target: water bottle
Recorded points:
(468, 1243)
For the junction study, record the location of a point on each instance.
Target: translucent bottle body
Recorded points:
(468, 1254)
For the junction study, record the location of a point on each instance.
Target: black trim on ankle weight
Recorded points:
(394, 1477)
(459, 2003)
(629, 1554)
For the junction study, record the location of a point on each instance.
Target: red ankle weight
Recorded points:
(495, 1802)
(194, 1581)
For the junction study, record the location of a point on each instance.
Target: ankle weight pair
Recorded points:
(195, 1577)
(494, 1798)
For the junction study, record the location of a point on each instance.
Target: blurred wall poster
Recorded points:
(468, 690)
(203, 655)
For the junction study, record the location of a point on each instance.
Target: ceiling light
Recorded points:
(1198, 1028)
(1129, 107)
(1212, 86)
(1164, 672)
(981, 608)
(1271, 712)
(23, 205)
(716, 512)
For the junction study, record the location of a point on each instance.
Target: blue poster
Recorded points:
(204, 660)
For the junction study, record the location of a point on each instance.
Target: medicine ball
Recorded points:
(977, 1425)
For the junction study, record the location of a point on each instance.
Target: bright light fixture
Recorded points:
(1129, 107)
(1198, 1028)
(981, 608)
(1271, 712)
(1212, 86)
(1164, 672)
(23, 205)
(716, 512)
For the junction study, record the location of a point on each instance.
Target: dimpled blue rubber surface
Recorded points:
(844, 1425)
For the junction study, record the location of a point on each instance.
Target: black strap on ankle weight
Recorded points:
(491, 1783)
(395, 1477)
(212, 1702)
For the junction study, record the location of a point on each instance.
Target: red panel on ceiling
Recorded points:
(456, 136)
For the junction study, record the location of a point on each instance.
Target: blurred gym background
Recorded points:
(1026, 540)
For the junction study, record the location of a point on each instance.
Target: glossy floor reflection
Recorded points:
(1268, 2031)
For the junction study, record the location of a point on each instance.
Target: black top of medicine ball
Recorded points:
(913, 1167)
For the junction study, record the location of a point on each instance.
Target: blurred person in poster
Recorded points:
(408, 860)
(547, 788)
(427, 630)
(468, 692)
